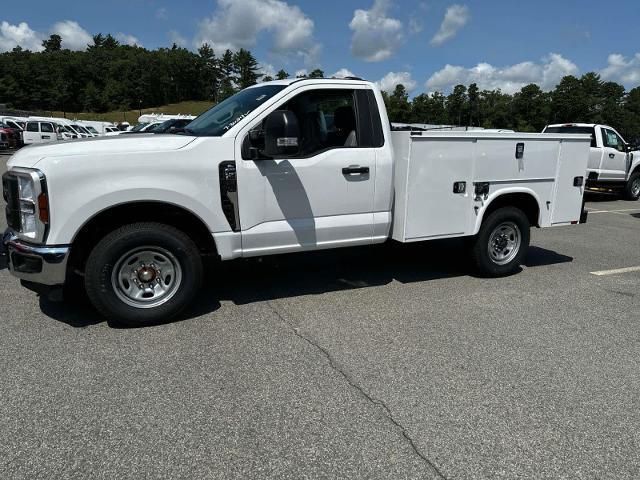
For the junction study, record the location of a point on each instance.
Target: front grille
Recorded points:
(3, 137)
(11, 195)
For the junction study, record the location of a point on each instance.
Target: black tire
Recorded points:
(102, 286)
(631, 191)
(484, 262)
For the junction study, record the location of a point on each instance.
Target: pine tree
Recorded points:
(246, 68)
(281, 75)
(227, 81)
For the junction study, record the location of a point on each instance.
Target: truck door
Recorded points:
(614, 159)
(321, 197)
(47, 132)
(32, 133)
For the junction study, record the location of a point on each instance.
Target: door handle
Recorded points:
(612, 155)
(355, 170)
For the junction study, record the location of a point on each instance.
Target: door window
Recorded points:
(32, 126)
(327, 120)
(46, 128)
(612, 140)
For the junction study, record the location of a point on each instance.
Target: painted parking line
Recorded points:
(622, 210)
(616, 271)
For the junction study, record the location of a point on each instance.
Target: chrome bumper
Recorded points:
(46, 265)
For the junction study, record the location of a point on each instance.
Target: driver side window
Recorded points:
(327, 119)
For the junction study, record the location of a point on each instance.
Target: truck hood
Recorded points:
(120, 144)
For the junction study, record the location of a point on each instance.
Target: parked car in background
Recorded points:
(142, 128)
(81, 132)
(111, 131)
(16, 132)
(65, 133)
(95, 127)
(8, 137)
(170, 126)
(38, 131)
(613, 163)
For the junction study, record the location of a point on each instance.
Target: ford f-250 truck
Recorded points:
(613, 163)
(280, 167)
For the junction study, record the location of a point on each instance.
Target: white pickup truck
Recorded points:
(280, 167)
(613, 163)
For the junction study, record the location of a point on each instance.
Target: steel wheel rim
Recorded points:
(146, 277)
(504, 243)
(635, 187)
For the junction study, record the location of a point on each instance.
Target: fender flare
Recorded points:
(501, 193)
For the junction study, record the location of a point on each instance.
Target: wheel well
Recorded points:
(109, 220)
(524, 201)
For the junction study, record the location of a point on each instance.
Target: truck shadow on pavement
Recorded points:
(248, 281)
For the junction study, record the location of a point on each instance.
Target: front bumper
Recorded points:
(42, 264)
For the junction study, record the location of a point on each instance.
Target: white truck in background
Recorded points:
(283, 166)
(613, 163)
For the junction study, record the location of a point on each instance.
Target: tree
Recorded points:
(398, 106)
(457, 104)
(209, 71)
(281, 75)
(317, 73)
(52, 44)
(531, 107)
(246, 68)
(226, 84)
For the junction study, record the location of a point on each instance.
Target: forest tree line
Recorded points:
(108, 76)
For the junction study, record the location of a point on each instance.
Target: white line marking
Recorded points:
(616, 271)
(615, 211)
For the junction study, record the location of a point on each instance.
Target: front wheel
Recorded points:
(632, 189)
(502, 242)
(143, 274)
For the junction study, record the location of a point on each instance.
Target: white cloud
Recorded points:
(389, 82)
(267, 70)
(237, 24)
(175, 37)
(343, 72)
(303, 72)
(376, 36)
(509, 79)
(456, 17)
(125, 39)
(74, 37)
(13, 35)
(621, 70)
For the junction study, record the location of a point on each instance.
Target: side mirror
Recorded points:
(281, 134)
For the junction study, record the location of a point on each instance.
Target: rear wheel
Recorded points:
(502, 242)
(143, 274)
(632, 189)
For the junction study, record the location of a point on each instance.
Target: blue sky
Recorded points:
(425, 44)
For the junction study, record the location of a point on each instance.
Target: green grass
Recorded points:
(131, 116)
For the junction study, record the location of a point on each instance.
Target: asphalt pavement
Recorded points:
(384, 362)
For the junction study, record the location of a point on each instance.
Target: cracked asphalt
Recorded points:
(384, 362)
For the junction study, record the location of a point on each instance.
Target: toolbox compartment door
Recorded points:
(570, 182)
(433, 208)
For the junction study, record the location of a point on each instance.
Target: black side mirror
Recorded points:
(281, 134)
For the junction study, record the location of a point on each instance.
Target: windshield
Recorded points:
(217, 120)
(91, 129)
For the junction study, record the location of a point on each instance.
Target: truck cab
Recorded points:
(613, 163)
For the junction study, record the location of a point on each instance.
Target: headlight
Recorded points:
(27, 203)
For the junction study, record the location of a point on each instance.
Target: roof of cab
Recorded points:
(289, 81)
(590, 125)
